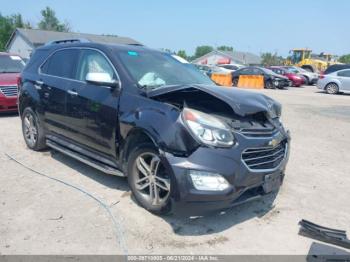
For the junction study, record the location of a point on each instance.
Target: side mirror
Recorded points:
(101, 79)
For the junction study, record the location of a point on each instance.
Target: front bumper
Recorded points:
(245, 184)
(8, 104)
(297, 81)
(282, 83)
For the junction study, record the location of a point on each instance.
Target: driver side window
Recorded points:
(92, 61)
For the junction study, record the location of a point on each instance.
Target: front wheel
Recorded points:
(269, 85)
(149, 180)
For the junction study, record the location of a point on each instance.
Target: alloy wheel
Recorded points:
(30, 130)
(332, 88)
(151, 181)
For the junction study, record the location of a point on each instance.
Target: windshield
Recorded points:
(11, 64)
(155, 69)
(292, 70)
(268, 71)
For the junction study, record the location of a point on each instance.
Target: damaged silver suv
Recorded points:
(184, 143)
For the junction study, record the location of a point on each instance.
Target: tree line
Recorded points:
(48, 21)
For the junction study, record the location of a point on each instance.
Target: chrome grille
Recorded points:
(264, 158)
(9, 90)
(259, 132)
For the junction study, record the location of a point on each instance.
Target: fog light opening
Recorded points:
(208, 181)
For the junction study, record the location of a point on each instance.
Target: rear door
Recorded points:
(344, 77)
(56, 77)
(93, 109)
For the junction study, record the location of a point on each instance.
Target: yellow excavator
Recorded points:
(303, 57)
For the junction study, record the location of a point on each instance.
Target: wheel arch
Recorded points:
(136, 136)
(333, 81)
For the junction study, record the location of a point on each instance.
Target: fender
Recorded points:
(161, 122)
(28, 96)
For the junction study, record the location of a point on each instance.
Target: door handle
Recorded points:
(72, 92)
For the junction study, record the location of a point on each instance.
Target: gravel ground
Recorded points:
(41, 216)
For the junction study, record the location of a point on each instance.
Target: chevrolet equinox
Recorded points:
(184, 143)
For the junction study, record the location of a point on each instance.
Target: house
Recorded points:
(227, 57)
(24, 41)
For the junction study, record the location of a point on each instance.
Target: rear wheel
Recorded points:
(33, 131)
(148, 179)
(332, 88)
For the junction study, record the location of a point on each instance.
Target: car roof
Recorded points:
(340, 70)
(117, 47)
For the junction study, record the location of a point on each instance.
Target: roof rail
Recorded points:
(65, 41)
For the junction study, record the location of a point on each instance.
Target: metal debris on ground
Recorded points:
(325, 234)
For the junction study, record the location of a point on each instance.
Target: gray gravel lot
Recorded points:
(42, 216)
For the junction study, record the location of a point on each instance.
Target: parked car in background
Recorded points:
(335, 82)
(10, 68)
(210, 69)
(297, 80)
(182, 142)
(271, 79)
(310, 77)
(180, 59)
(231, 67)
(337, 67)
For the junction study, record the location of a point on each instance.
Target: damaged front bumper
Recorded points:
(253, 167)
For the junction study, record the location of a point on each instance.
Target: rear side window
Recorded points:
(334, 68)
(345, 73)
(247, 71)
(62, 63)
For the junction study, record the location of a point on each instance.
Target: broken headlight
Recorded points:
(208, 129)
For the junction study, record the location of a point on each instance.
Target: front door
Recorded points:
(93, 109)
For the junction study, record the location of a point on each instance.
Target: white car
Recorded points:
(335, 82)
(310, 77)
(231, 67)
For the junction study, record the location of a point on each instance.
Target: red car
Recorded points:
(297, 80)
(10, 69)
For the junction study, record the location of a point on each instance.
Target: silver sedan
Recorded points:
(335, 82)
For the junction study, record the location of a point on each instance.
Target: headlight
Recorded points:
(208, 181)
(208, 129)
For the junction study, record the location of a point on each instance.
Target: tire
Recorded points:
(332, 88)
(33, 131)
(235, 82)
(307, 81)
(149, 183)
(269, 85)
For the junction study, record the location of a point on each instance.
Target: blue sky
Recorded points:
(255, 25)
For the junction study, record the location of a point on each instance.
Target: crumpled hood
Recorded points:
(242, 102)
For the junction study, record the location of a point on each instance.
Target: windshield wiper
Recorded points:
(150, 87)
